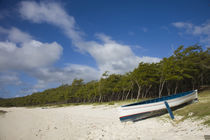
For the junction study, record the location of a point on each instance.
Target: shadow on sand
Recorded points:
(164, 111)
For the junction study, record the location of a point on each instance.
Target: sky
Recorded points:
(44, 44)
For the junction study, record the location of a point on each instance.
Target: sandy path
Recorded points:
(89, 122)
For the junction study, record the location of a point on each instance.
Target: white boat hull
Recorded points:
(127, 112)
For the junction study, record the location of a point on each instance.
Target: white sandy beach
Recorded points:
(90, 122)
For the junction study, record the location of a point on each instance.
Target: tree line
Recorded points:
(187, 69)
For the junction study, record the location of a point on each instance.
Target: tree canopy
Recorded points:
(187, 69)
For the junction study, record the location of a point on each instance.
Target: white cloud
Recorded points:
(52, 13)
(66, 75)
(29, 54)
(9, 78)
(202, 31)
(23, 54)
(182, 25)
(113, 56)
(17, 36)
(35, 59)
(109, 54)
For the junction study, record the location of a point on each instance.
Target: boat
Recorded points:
(149, 108)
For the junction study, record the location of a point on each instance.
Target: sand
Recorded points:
(86, 122)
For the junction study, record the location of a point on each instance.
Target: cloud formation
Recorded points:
(50, 12)
(202, 31)
(108, 54)
(64, 75)
(21, 52)
(9, 78)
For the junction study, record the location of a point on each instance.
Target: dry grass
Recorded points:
(199, 110)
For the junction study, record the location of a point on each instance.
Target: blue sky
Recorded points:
(49, 43)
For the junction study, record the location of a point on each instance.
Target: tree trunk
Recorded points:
(176, 88)
(127, 95)
(112, 96)
(99, 98)
(139, 89)
(123, 94)
(168, 88)
(118, 96)
(193, 84)
(201, 79)
(131, 95)
(142, 94)
(161, 87)
(147, 90)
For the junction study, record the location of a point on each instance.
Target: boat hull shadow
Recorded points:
(144, 110)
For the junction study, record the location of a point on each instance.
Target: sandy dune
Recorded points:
(90, 122)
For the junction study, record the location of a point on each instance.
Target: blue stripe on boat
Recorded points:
(160, 99)
(135, 116)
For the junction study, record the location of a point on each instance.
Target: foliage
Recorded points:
(199, 110)
(187, 69)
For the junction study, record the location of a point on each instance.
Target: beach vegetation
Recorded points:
(197, 111)
(186, 69)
